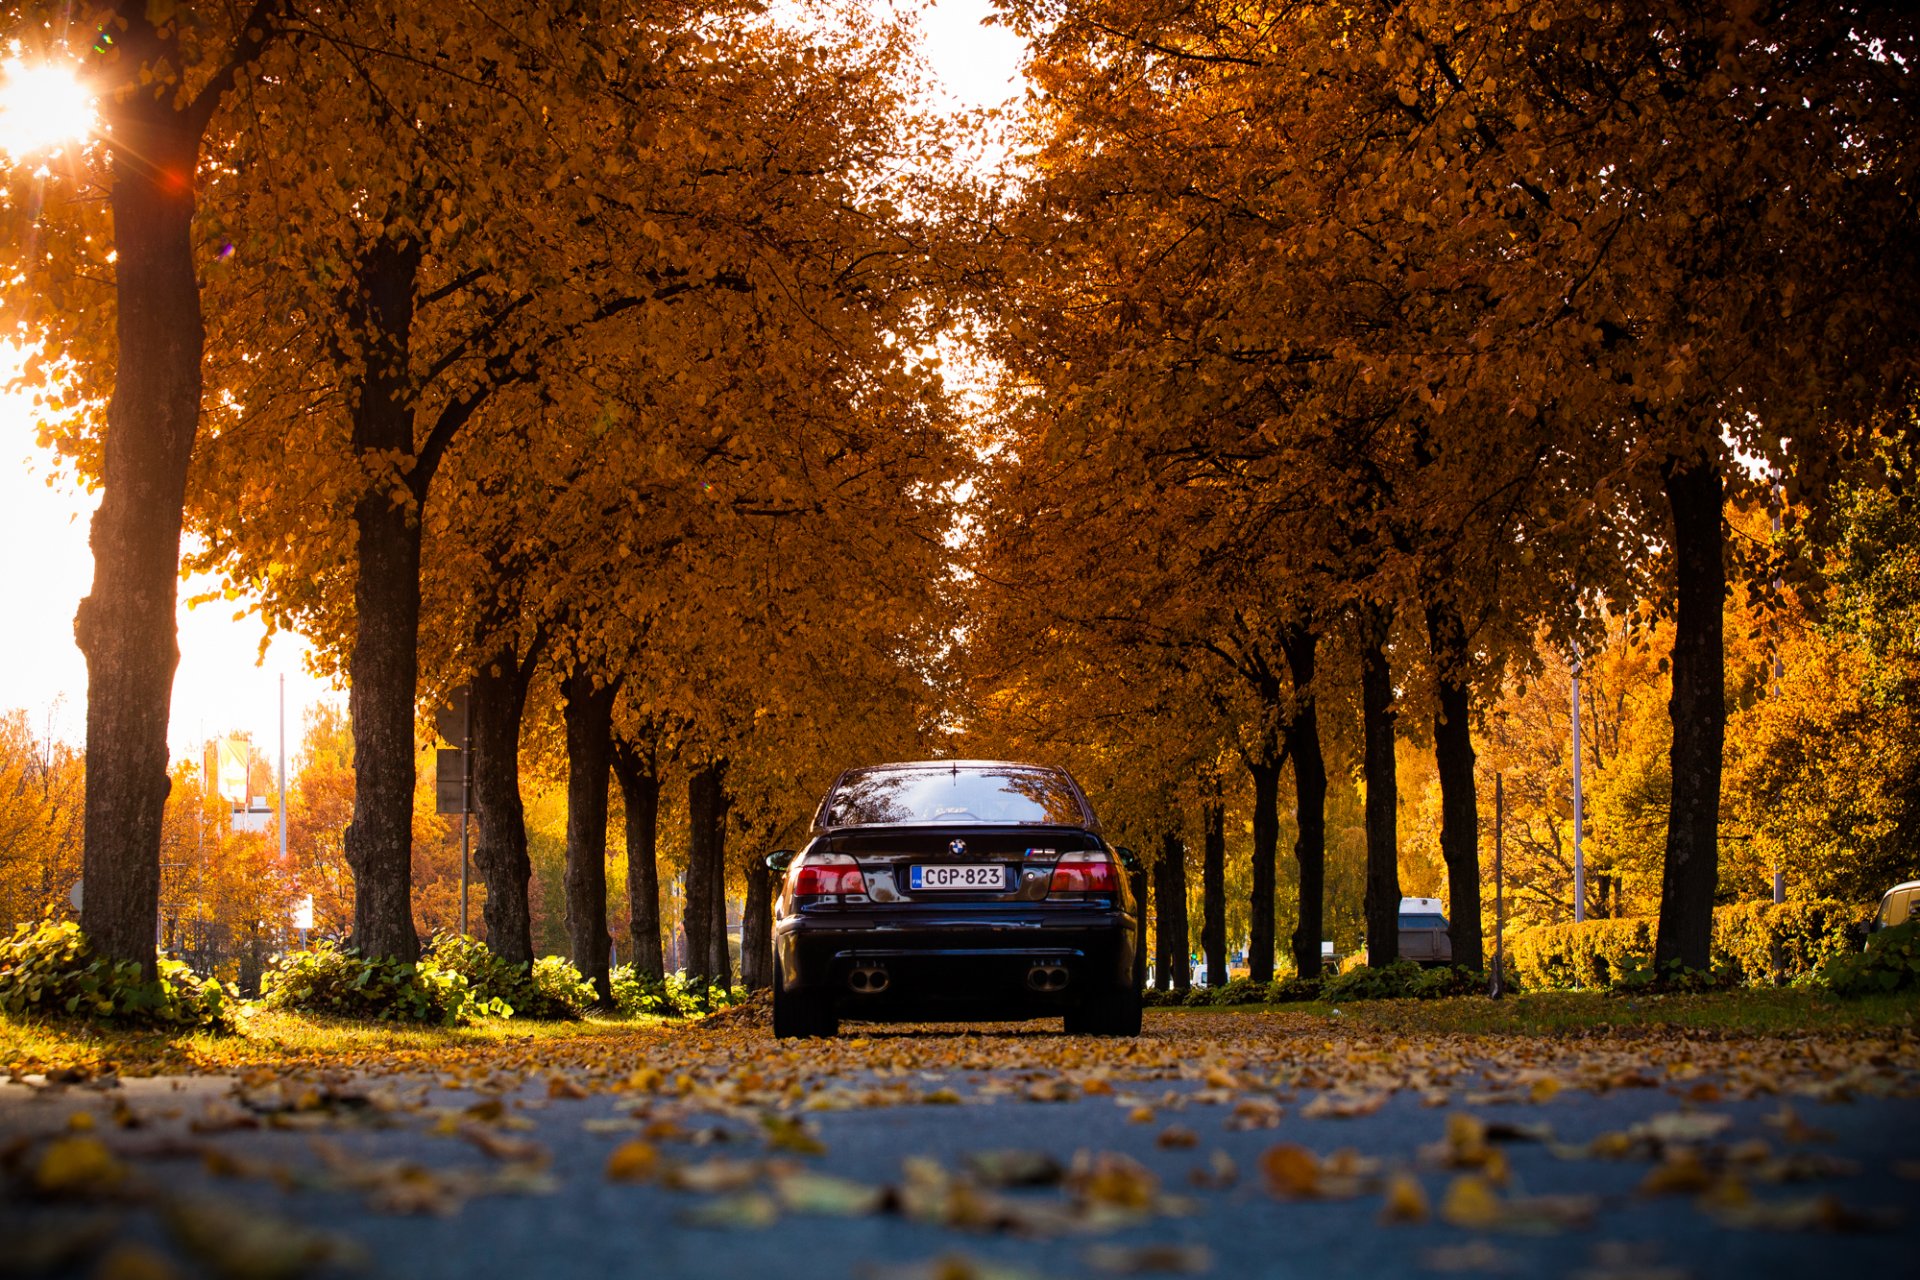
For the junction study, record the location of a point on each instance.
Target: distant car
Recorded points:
(1896, 906)
(1423, 932)
(955, 889)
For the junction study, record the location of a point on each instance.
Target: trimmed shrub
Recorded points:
(1776, 944)
(1444, 981)
(1891, 962)
(1371, 982)
(336, 980)
(1754, 942)
(669, 997)
(1293, 989)
(48, 969)
(1559, 957)
(551, 988)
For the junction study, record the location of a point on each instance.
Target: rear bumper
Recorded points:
(941, 963)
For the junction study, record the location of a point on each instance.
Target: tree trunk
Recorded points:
(756, 927)
(1266, 845)
(703, 802)
(1699, 714)
(125, 626)
(1173, 910)
(497, 702)
(1162, 956)
(1213, 892)
(1310, 800)
(721, 965)
(640, 787)
(1459, 802)
(384, 665)
(589, 717)
(1382, 903)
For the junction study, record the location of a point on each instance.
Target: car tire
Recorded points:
(801, 1013)
(1115, 1012)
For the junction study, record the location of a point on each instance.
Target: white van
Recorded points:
(1423, 932)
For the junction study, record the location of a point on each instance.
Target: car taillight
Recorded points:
(1083, 873)
(827, 873)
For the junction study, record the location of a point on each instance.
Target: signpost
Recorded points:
(453, 775)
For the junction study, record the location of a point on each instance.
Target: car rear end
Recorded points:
(955, 920)
(1006, 925)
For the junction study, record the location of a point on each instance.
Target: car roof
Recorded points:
(1910, 884)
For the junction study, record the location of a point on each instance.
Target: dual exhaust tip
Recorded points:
(868, 980)
(1047, 977)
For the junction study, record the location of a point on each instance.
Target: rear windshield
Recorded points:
(877, 797)
(1422, 922)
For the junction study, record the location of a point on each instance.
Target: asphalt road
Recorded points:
(1750, 1190)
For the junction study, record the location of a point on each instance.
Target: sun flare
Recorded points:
(43, 106)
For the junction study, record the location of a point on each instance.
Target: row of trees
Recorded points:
(1358, 358)
(1351, 360)
(575, 354)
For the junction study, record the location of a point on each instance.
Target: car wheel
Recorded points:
(1112, 1013)
(801, 1013)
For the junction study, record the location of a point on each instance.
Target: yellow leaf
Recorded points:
(633, 1161)
(1471, 1202)
(1406, 1201)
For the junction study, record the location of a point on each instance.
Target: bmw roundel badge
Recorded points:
(958, 848)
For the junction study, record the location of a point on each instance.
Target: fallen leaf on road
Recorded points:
(712, 1177)
(1292, 1172)
(1817, 1213)
(502, 1147)
(633, 1161)
(753, 1211)
(77, 1167)
(1013, 1168)
(804, 1191)
(1150, 1259)
(1406, 1201)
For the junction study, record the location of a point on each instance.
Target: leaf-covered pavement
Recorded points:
(1222, 1144)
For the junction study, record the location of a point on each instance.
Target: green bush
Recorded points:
(335, 980)
(1443, 981)
(1369, 982)
(1293, 988)
(1891, 962)
(551, 988)
(669, 997)
(1674, 978)
(1760, 943)
(48, 968)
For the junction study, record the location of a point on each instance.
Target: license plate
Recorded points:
(960, 876)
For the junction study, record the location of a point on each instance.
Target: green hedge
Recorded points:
(1763, 943)
(550, 988)
(339, 981)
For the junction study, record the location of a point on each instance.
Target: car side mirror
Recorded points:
(780, 859)
(1128, 858)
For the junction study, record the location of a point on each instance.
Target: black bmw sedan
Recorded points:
(955, 890)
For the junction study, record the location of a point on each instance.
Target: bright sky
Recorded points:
(222, 686)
